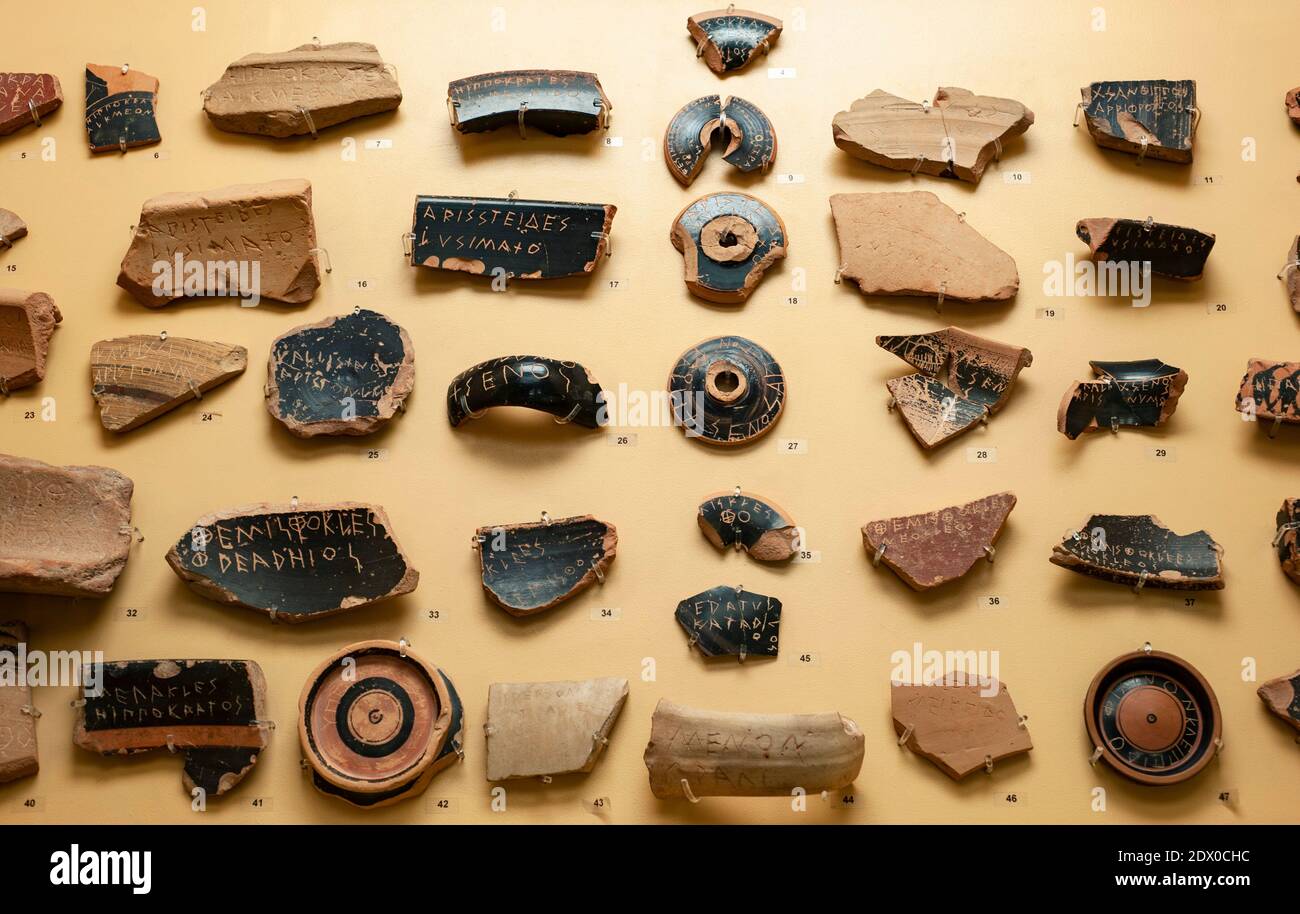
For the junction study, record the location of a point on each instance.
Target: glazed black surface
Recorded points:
(560, 102)
(742, 518)
(1162, 106)
(318, 368)
(297, 562)
(1172, 250)
(682, 141)
(706, 117)
(730, 277)
(563, 389)
(757, 146)
(736, 37)
(702, 416)
(1133, 544)
(536, 565)
(1275, 390)
(522, 239)
(1136, 396)
(124, 116)
(982, 381)
(723, 620)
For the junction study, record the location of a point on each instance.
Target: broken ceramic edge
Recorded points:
(727, 242)
(912, 243)
(747, 132)
(376, 722)
(1271, 391)
(955, 137)
(1282, 698)
(1139, 551)
(295, 562)
(1142, 393)
(1173, 251)
(558, 102)
(959, 725)
(160, 266)
(135, 379)
(302, 90)
(25, 340)
(1153, 718)
(1292, 105)
(936, 547)
(1286, 542)
(694, 753)
(962, 380)
(211, 712)
(12, 228)
(121, 107)
(749, 522)
(345, 375)
(731, 622)
(26, 98)
(726, 391)
(547, 729)
(532, 567)
(1290, 274)
(19, 756)
(67, 529)
(565, 390)
(1149, 118)
(507, 238)
(728, 39)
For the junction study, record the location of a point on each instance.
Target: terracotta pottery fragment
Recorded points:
(64, 531)
(1150, 118)
(1138, 550)
(749, 522)
(26, 98)
(543, 729)
(1171, 250)
(1293, 105)
(27, 321)
(210, 712)
(1269, 391)
(956, 137)
(729, 39)
(962, 379)
(294, 562)
(530, 568)
(558, 102)
(727, 242)
(300, 91)
(1290, 274)
(727, 390)
(18, 755)
(1286, 541)
(957, 726)
(1140, 394)
(1153, 718)
(694, 753)
(138, 378)
(564, 389)
(748, 135)
(121, 106)
(376, 723)
(936, 547)
(345, 375)
(250, 241)
(1281, 696)
(12, 227)
(731, 622)
(911, 243)
(510, 238)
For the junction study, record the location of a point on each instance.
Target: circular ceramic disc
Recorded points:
(727, 241)
(727, 390)
(1154, 716)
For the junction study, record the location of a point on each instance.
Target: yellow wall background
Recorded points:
(1053, 630)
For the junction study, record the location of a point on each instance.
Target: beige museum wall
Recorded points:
(1053, 630)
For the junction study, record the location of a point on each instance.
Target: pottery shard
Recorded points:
(911, 243)
(1138, 550)
(1171, 250)
(18, 757)
(1153, 118)
(1141, 393)
(530, 568)
(1270, 391)
(728, 39)
(138, 378)
(1292, 106)
(1281, 696)
(12, 227)
(267, 94)
(27, 321)
(21, 94)
(956, 137)
(1291, 273)
(121, 108)
(63, 530)
(1287, 539)
(958, 726)
(263, 235)
(540, 729)
(694, 753)
(930, 549)
(750, 522)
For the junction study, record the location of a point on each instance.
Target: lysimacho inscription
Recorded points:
(1172, 250)
(26, 98)
(727, 390)
(727, 242)
(138, 378)
(121, 104)
(211, 712)
(1153, 118)
(18, 755)
(728, 621)
(564, 389)
(749, 522)
(729, 39)
(295, 563)
(529, 568)
(558, 102)
(508, 238)
(748, 135)
(1137, 549)
(1142, 393)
